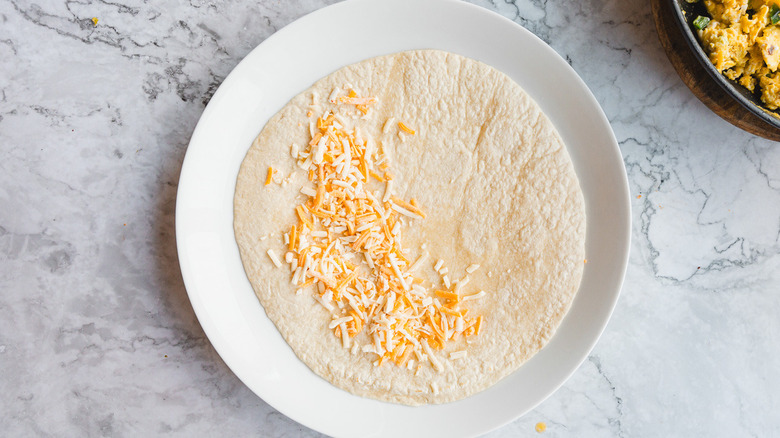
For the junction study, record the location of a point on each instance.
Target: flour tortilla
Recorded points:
(498, 187)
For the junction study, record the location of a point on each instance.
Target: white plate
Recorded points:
(290, 61)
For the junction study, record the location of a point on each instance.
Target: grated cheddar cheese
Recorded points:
(346, 248)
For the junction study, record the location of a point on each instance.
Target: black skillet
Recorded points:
(751, 101)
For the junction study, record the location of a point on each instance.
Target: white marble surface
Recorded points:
(97, 337)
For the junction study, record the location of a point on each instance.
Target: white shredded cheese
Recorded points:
(460, 283)
(388, 125)
(389, 342)
(365, 227)
(336, 182)
(336, 322)
(306, 163)
(418, 290)
(397, 272)
(417, 263)
(344, 335)
(475, 296)
(324, 304)
(296, 276)
(390, 302)
(378, 344)
(403, 211)
(334, 95)
(472, 268)
(436, 364)
(388, 191)
(458, 354)
(319, 153)
(274, 258)
(306, 266)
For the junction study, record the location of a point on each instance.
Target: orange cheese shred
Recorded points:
(293, 237)
(378, 177)
(315, 139)
(405, 128)
(303, 217)
(452, 296)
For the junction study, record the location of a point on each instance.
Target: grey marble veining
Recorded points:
(97, 337)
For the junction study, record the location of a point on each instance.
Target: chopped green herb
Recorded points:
(701, 22)
(774, 14)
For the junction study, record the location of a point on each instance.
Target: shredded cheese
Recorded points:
(345, 246)
(428, 351)
(458, 354)
(388, 125)
(334, 95)
(461, 283)
(475, 296)
(336, 322)
(405, 128)
(403, 211)
(416, 265)
(274, 258)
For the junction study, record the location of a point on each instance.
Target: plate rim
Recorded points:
(201, 313)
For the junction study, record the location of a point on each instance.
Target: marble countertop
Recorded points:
(97, 337)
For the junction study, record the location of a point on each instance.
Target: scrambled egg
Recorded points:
(744, 44)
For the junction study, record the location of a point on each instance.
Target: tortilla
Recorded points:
(499, 190)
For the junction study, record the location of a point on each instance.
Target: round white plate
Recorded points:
(286, 64)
